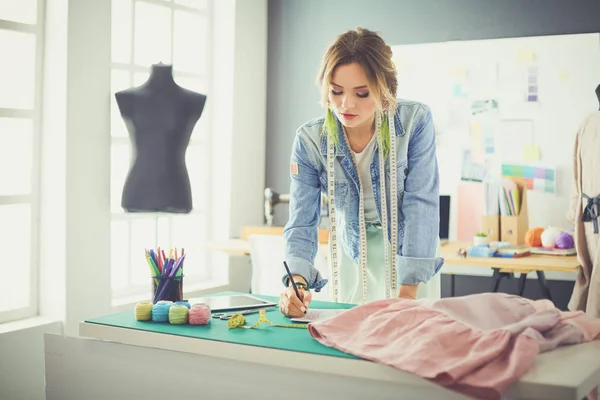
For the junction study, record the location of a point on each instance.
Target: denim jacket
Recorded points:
(418, 197)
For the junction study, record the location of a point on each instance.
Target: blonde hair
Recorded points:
(369, 50)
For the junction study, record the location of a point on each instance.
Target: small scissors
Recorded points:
(225, 316)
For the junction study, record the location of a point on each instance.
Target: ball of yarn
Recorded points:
(564, 241)
(199, 314)
(178, 315)
(549, 236)
(183, 303)
(533, 237)
(160, 311)
(143, 311)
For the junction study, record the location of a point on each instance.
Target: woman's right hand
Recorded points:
(291, 306)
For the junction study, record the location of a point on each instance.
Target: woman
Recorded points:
(375, 158)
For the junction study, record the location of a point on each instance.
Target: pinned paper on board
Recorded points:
(541, 179)
(459, 80)
(458, 120)
(512, 135)
(562, 77)
(477, 152)
(458, 73)
(488, 138)
(458, 91)
(525, 56)
(518, 81)
(512, 86)
(484, 115)
(532, 84)
(532, 153)
(483, 106)
(473, 169)
(483, 81)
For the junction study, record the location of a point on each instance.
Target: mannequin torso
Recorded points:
(160, 117)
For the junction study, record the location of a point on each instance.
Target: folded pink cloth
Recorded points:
(476, 345)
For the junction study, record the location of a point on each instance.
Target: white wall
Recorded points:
(75, 220)
(22, 355)
(247, 143)
(239, 104)
(88, 284)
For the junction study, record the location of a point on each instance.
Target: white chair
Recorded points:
(267, 253)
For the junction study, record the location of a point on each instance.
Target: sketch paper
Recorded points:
(317, 314)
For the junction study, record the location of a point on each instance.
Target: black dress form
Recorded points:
(598, 95)
(160, 117)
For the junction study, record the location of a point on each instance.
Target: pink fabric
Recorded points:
(477, 345)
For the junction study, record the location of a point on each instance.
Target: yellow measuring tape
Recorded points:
(239, 321)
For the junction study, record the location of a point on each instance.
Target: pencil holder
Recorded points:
(167, 288)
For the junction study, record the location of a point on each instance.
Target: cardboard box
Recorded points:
(491, 227)
(513, 228)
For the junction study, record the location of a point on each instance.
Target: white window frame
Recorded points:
(33, 198)
(190, 284)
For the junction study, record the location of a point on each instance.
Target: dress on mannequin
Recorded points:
(160, 117)
(583, 213)
(598, 95)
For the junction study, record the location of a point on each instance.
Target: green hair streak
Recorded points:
(330, 129)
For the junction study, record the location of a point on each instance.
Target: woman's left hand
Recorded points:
(408, 292)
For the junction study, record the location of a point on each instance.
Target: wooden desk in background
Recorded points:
(233, 247)
(278, 230)
(502, 267)
(240, 247)
(507, 267)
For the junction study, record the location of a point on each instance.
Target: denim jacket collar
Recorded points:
(342, 149)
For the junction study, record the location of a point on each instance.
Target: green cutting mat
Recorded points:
(292, 339)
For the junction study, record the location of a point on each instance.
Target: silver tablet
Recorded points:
(232, 302)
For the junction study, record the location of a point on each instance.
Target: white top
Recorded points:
(363, 166)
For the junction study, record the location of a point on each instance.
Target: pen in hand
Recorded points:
(289, 274)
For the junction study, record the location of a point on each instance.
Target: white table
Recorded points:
(117, 363)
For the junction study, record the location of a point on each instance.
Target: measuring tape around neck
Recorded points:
(394, 202)
(389, 265)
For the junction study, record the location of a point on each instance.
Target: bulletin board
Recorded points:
(505, 107)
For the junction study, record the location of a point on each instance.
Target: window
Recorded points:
(20, 82)
(146, 32)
